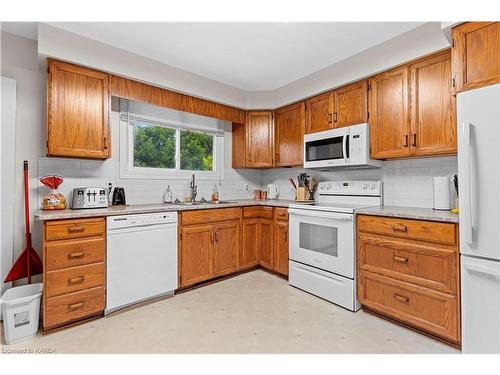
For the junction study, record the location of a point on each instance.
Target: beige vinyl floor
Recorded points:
(256, 312)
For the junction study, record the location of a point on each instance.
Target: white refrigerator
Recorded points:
(478, 115)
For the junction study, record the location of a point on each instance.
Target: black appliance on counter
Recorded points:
(118, 197)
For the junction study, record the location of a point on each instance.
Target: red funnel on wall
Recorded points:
(29, 262)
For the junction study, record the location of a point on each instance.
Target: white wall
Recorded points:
(405, 182)
(19, 61)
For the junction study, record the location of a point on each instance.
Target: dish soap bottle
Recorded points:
(167, 198)
(215, 194)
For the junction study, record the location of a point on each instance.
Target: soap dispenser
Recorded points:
(167, 198)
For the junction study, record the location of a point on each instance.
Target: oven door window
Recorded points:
(324, 149)
(319, 238)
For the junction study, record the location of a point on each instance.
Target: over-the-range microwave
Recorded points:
(342, 147)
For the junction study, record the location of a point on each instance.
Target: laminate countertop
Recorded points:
(148, 208)
(416, 213)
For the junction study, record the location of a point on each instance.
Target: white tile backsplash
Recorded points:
(405, 182)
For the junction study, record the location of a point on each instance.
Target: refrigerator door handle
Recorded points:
(467, 230)
(483, 270)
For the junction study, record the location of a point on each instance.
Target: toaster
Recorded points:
(89, 197)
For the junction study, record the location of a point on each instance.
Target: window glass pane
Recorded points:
(154, 146)
(197, 152)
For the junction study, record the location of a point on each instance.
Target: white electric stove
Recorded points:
(323, 242)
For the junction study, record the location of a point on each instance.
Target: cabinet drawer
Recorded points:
(74, 306)
(423, 264)
(71, 253)
(63, 229)
(258, 211)
(422, 308)
(73, 279)
(281, 213)
(210, 216)
(431, 231)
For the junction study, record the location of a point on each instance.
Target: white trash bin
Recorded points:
(21, 311)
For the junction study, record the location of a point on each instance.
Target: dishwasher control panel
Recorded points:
(126, 221)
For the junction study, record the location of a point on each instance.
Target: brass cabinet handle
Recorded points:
(329, 118)
(414, 142)
(401, 298)
(406, 141)
(399, 259)
(211, 236)
(334, 116)
(75, 306)
(281, 214)
(76, 255)
(286, 235)
(217, 236)
(76, 280)
(76, 228)
(399, 228)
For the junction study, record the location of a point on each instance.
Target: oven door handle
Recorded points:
(319, 214)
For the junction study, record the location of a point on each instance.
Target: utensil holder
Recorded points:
(302, 194)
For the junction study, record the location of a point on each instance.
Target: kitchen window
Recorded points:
(170, 145)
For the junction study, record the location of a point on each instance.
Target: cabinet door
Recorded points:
(289, 135)
(260, 139)
(227, 247)
(433, 122)
(250, 231)
(389, 116)
(350, 105)
(280, 251)
(319, 113)
(476, 55)
(196, 263)
(77, 113)
(266, 243)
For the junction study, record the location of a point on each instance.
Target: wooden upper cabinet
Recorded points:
(476, 55)
(433, 119)
(260, 139)
(350, 104)
(289, 135)
(77, 112)
(389, 114)
(319, 113)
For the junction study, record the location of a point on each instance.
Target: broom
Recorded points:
(28, 263)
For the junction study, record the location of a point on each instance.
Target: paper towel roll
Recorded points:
(442, 199)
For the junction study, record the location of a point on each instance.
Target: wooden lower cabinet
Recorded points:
(73, 271)
(196, 257)
(250, 245)
(265, 239)
(227, 247)
(280, 248)
(208, 248)
(409, 277)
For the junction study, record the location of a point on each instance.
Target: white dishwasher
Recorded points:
(141, 258)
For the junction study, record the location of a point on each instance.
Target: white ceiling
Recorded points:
(249, 56)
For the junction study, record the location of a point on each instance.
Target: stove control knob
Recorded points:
(364, 186)
(322, 187)
(328, 186)
(372, 186)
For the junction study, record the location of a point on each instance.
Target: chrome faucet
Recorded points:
(193, 188)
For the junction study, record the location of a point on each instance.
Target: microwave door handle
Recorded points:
(344, 148)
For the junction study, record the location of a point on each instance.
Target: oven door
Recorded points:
(326, 149)
(322, 239)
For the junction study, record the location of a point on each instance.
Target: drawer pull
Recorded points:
(399, 228)
(76, 280)
(76, 255)
(400, 259)
(75, 306)
(76, 229)
(401, 298)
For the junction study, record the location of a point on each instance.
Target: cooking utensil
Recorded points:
(28, 263)
(455, 182)
(292, 182)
